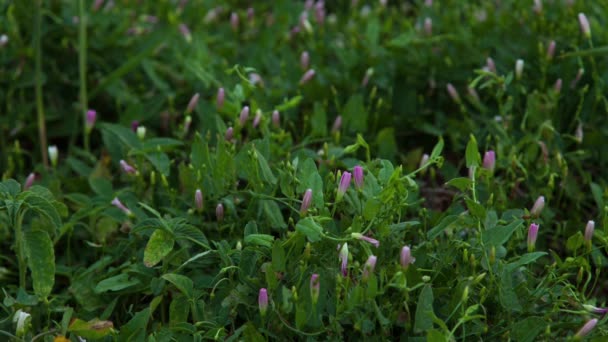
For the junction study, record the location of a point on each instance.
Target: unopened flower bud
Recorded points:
(3, 40)
(358, 174)
(551, 50)
(198, 200)
(406, 257)
(306, 200)
(337, 124)
(263, 301)
(244, 115)
(577, 78)
(586, 329)
(234, 21)
(304, 60)
(29, 181)
(276, 118)
(368, 74)
(360, 236)
(22, 321)
(538, 6)
(578, 134)
(219, 212)
(584, 23)
(344, 259)
(368, 268)
(53, 155)
(589, 229)
(344, 184)
(257, 118)
(220, 98)
(127, 168)
(519, 68)
(90, 120)
(532, 235)
(558, 85)
(490, 64)
(538, 206)
(118, 204)
(134, 125)
(229, 134)
(424, 160)
(315, 288)
(489, 160)
(192, 104)
(453, 92)
(308, 75)
(185, 31)
(141, 132)
(428, 26)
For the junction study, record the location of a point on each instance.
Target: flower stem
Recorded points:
(82, 69)
(38, 83)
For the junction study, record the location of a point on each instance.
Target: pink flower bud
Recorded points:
(308, 4)
(532, 235)
(585, 27)
(256, 79)
(276, 118)
(192, 104)
(306, 200)
(579, 75)
(368, 74)
(257, 118)
(344, 259)
(406, 257)
(538, 206)
(551, 50)
(3, 40)
(219, 212)
(29, 181)
(263, 301)
(91, 117)
(344, 184)
(118, 204)
(97, 5)
(220, 98)
(229, 134)
(428, 3)
(320, 12)
(586, 329)
(428, 26)
(337, 124)
(558, 85)
(127, 168)
(185, 32)
(369, 267)
(315, 288)
(490, 64)
(358, 173)
(453, 93)
(589, 229)
(473, 94)
(134, 125)
(308, 75)
(244, 115)
(198, 199)
(360, 236)
(489, 160)
(234, 21)
(304, 60)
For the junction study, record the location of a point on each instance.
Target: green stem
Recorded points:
(20, 250)
(82, 68)
(38, 83)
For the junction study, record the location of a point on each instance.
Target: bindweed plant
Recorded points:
(204, 170)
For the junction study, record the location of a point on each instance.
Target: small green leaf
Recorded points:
(310, 229)
(116, 283)
(41, 261)
(265, 171)
(498, 235)
(527, 329)
(437, 230)
(461, 183)
(575, 242)
(472, 155)
(476, 209)
(9, 188)
(93, 329)
(524, 260)
(278, 256)
(179, 309)
(371, 208)
(259, 240)
(424, 310)
(437, 149)
(183, 283)
(160, 244)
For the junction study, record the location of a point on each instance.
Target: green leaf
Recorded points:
(424, 310)
(101, 186)
(371, 208)
(355, 115)
(116, 283)
(183, 283)
(278, 256)
(42, 207)
(498, 235)
(93, 329)
(272, 213)
(435, 335)
(461, 183)
(259, 240)
(179, 309)
(527, 329)
(310, 229)
(575, 242)
(524, 260)
(508, 297)
(161, 162)
(41, 261)
(476, 209)
(265, 171)
(472, 155)
(310, 179)
(135, 329)
(437, 149)
(9, 188)
(598, 196)
(437, 230)
(160, 244)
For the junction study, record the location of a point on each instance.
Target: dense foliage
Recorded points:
(349, 170)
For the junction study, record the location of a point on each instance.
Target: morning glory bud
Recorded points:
(558, 85)
(344, 259)
(589, 229)
(538, 206)
(192, 104)
(127, 168)
(219, 212)
(244, 115)
(90, 120)
(263, 301)
(360, 236)
(489, 160)
(428, 26)
(406, 257)
(229, 134)
(358, 173)
(344, 184)
(118, 204)
(3, 40)
(276, 118)
(29, 181)
(453, 92)
(23, 321)
(306, 200)
(315, 287)
(185, 31)
(579, 75)
(578, 134)
(532, 235)
(595, 310)
(257, 118)
(490, 64)
(308, 75)
(584, 23)
(551, 50)
(519, 68)
(198, 200)
(337, 124)
(424, 160)
(586, 329)
(305, 60)
(53, 155)
(369, 267)
(368, 74)
(221, 95)
(141, 132)
(234, 21)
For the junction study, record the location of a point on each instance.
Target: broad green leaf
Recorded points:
(116, 283)
(437, 149)
(265, 171)
(122, 134)
(270, 210)
(424, 310)
(318, 121)
(476, 209)
(93, 329)
(161, 162)
(160, 244)
(498, 235)
(310, 229)
(259, 240)
(135, 329)
(437, 230)
(42, 207)
(355, 115)
(183, 283)
(506, 294)
(371, 208)
(461, 183)
(575, 242)
(527, 329)
(278, 256)
(9, 188)
(310, 179)
(524, 260)
(472, 156)
(598, 196)
(101, 186)
(179, 310)
(387, 145)
(41, 261)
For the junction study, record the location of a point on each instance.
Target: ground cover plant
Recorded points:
(303, 170)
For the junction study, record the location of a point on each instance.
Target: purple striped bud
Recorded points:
(369, 267)
(532, 235)
(519, 68)
(358, 173)
(589, 229)
(579, 75)
(221, 95)
(263, 301)
(229, 134)
(118, 204)
(320, 12)
(595, 310)
(453, 92)
(551, 50)
(127, 168)
(490, 64)
(308, 75)
(586, 329)
(344, 184)
(489, 160)
(337, 124)
(558, 85)
(276, 118)
(406, 257)
(538, 206)
(234, 21)
(306, 200)
(257, 118)
(219, 212)
(315, 288)
(29, 181)
(344, 259)
(192, 104)
(244, 115)
(91, 117)
(428, 26)
(198, 200)
(185, 32)
(360, 236)
(585, 27)
(304, 60)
